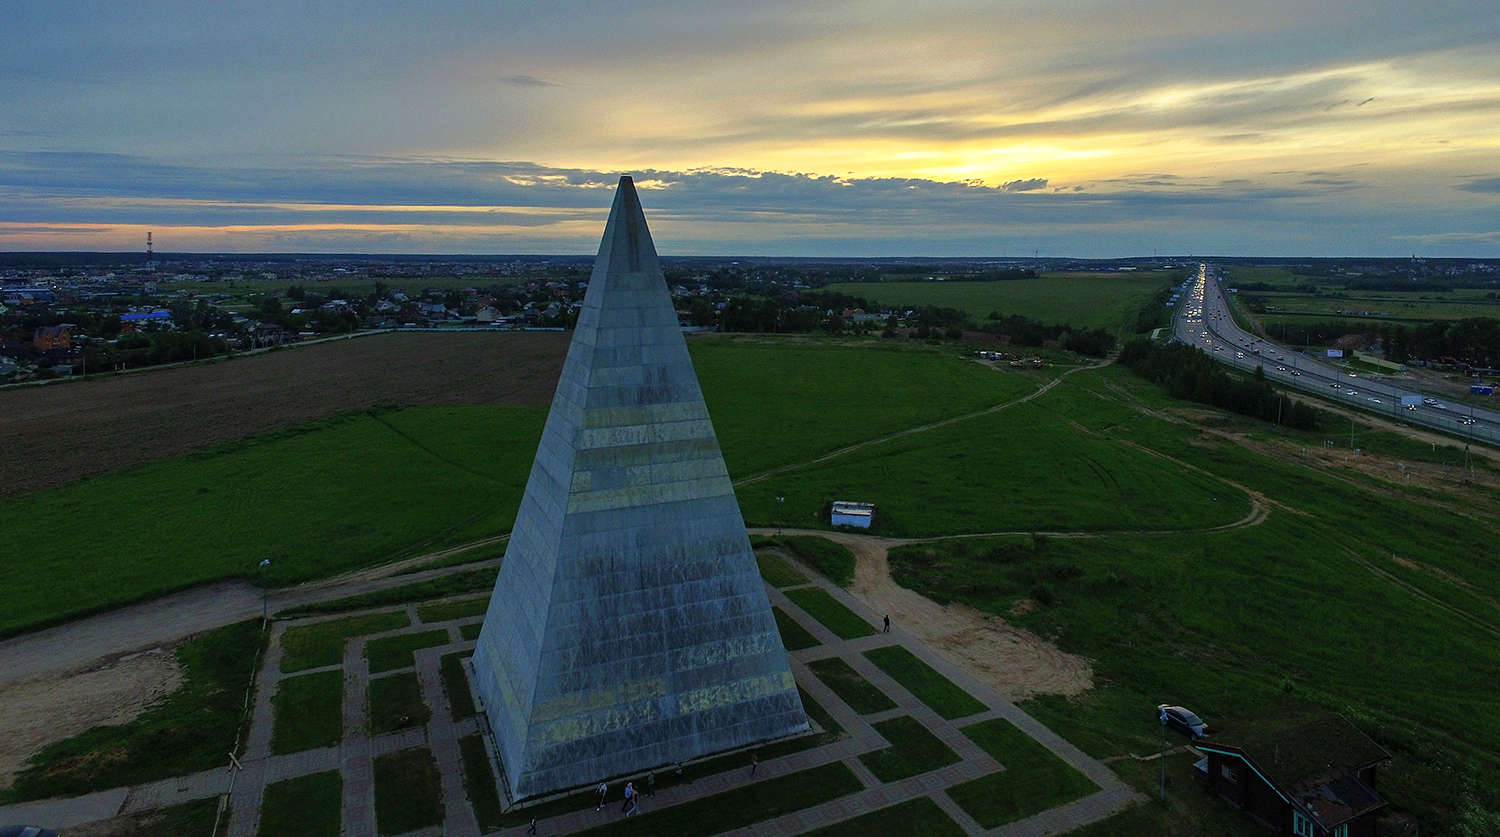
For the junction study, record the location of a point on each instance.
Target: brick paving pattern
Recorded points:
(354, 755)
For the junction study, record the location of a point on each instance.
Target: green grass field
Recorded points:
(913, 751)
(458, 583)
(833, 560)
(456, 684)
(396, 703)
(309, 805)
(394, 484)
(822, 606)
(859, 693)
(942, 695)
(322, 644)
(479, 783)
(1019, 469)
(777, 572)
(1356, 592)
(771, 398)
(794, 637)
(309, 712)
(1033, 780)
(1085, 300)
(917, 818)
(408, 791)
(393, 652)
(446, 611)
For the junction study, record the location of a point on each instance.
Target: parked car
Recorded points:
(1183, 720)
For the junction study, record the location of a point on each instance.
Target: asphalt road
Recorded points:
(1201, 318)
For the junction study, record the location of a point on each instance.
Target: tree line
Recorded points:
(1188, 373)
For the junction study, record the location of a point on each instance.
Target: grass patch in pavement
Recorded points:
(794, 637)
(456, 684)
(470, 632)
(394, 698)
(479, 782)
(923, 681)
(189, 730)
(393, 652)
(468, 581)
(777, 572)
(408, 791)
(313, 646)
(822, 606)
(861, 695)
(914, 750)
(757, 800)
(1034, 778)
(445, 611)
(307, 806)
(309, 712)
(919, 817)
(833, 560)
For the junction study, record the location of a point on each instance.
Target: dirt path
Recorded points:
(921, 429)
(40, 710)
(1016, 663)
(108, 668)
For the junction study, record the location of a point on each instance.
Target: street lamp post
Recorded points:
(779, 500)
(264, 590)
(1161, 756)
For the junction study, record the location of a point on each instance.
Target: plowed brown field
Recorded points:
(55, 434)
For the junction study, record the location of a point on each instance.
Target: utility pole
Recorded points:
(1161, 756)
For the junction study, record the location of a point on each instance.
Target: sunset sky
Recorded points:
(1082, 128)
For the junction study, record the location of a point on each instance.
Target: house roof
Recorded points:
(1315, 763)
(1291, 754)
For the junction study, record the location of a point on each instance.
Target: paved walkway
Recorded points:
(355, 754)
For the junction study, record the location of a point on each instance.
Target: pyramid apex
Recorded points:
(627, 245)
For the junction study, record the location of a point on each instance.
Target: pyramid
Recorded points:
(629, 627)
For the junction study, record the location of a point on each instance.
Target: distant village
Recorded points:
(69, 314)
(59, 320)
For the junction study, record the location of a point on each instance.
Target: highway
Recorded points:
(1201, 318)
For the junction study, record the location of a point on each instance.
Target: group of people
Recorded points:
(632, 796)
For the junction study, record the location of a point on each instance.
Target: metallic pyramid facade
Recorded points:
(629, 627)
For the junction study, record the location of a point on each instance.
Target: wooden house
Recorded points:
(1314, 779)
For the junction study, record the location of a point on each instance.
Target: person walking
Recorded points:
(532, 829)
(887, 623)
(754, 763)
(651, 784)
(629, 794)
(635, 803)
(603, 791)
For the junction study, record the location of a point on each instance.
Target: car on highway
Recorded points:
(1239, 354)
(1281, 369)
(1183, 720)
(1336, 385)
(1373, 400)
(1430, 401)
(1353, 392)
(1296, 374)
(1465, 419)
(1352, 375)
